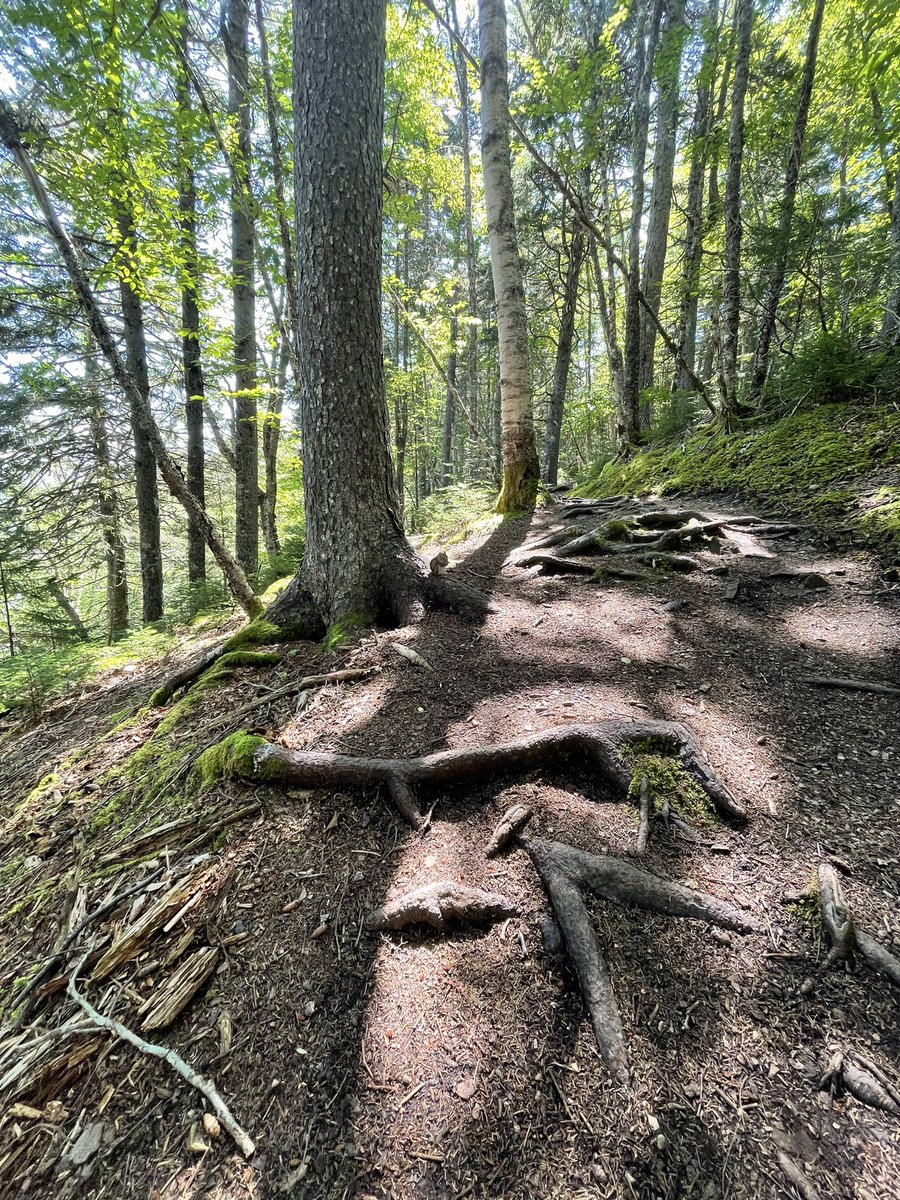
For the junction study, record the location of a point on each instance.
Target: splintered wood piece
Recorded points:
(170, 1000)
(162, 835)
(643, 834)
(442, 905)
(136, 936)
(836, 915)
(512, 822)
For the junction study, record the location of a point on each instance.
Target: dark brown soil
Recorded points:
(425, 1067)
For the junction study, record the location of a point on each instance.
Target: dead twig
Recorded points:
(242, 1139)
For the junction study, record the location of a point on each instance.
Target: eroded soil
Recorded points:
(425, 1066)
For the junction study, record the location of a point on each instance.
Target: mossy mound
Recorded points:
(668, 780)
(232, 758)
(805, 463)
(341, 630)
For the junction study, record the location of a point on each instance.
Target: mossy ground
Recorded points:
(806, 463)
(668, 780)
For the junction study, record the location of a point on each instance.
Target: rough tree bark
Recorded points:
(357, 559)
(192, 369)
(731, 288)
(462, 77)
(646, 32)
(140, 407)
(686, 335)
(450, 399)
(563, 358)
(669, 63)
(235, 36)
(145, 486)
(521, 470)
(785, 221)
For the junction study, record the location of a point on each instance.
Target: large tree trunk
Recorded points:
(663, 175)
(646, 31)
(731, 289)
(192, 369)
(891, 324)
(686, 334)
(786, 219)
(235, 30)
(271, 436)
(145, 485)
(563, 359)
(140, 407)
(520, 461)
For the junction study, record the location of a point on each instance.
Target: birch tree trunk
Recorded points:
(669, 62)
(731, 289)
(520, 461)
(562, 362)
(447, 431)
(235, 34)
(145, 486)
(192, 369)
(783, 236)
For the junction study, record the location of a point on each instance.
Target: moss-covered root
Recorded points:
(232, 758)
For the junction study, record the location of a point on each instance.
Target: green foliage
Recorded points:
(792, 462)
(340, 632)
(453, 514)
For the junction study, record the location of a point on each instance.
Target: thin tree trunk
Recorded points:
(108, 509)
(462, 76)
(450, 399)
(646, 31)
(10, 635)
(140, 407)
(663, 175)
(686, 336)
(194, 392)
(271, 436)
(145, 484)
(891, 324)
(235, 37)
(520, 461)
(57, 591)
(783, 236)
(553, 429)
(731, 289)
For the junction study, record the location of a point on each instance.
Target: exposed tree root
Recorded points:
(862, 1079)
(442, 905)
(186, 675)
(566, 874)
(796, 1176)
(598, 746)
(643, 834)
(673, 562)
(550, 564)
(845, 937)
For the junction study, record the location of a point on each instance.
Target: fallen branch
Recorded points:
(242, 1139)
(797, 1177)
(851, 685)
(442, 905)
(290, 689)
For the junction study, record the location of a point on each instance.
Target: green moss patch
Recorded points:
(668, 780)
(805, 463)
(229, 759)
(341, 630)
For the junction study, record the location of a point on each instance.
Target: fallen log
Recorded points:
(851, 685)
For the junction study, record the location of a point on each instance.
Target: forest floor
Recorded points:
(424, 1066)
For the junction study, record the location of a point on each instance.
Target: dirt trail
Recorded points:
(425, 1066)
